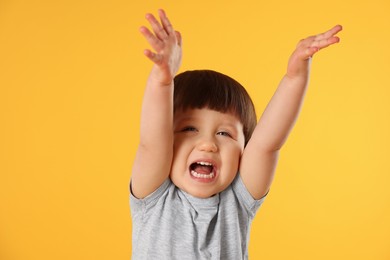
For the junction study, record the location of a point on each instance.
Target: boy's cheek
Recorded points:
(176, 143)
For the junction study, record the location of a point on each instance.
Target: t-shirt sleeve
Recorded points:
(243, 195)
(139, 205)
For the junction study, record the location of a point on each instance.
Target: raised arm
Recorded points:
(154, 155)
(259, 159)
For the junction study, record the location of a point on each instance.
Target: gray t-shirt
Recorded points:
(172, 224)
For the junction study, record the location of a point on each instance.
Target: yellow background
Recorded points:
(72, 76)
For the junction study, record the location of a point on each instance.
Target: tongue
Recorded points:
(202, 169)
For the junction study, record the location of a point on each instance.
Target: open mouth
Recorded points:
(202, 170)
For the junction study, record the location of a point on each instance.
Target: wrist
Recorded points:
(298, 68)
(160, 78)
(296, 80)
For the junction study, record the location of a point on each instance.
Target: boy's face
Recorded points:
(207, 150)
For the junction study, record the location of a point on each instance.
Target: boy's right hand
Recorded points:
(166, 42)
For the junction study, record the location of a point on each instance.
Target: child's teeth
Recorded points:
(204, 176)
(205, 163)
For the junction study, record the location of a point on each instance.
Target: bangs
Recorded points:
(202, 89)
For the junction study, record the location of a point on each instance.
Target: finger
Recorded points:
(165, 22)
(154, 42)
(306, 42)
(322, 40)
(326, 42)
(158, 30)
(327, 38)
(178, 37)
(330, 33)
(310, 51)
(152, 56)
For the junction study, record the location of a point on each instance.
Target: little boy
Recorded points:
(203, 165)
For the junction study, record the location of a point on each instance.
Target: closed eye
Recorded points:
(189, 129)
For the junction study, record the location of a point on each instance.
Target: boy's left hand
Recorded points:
(298, 65)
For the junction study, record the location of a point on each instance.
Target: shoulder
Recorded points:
(238, 191)
(152, 198)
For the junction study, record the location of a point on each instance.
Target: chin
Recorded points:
(198, 192)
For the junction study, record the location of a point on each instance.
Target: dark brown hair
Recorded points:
(216, 91)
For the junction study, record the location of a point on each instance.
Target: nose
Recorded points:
(207, 145)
